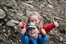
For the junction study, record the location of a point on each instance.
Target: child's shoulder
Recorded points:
(26, 37)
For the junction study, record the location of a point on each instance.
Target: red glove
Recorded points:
(22, 24)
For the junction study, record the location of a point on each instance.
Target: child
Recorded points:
(32, 35)
(35, 17)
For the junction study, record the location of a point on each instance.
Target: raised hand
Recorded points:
(55, 23)
(22, 24)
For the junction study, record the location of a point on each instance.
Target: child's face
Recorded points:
(34, 18)
(33, 32)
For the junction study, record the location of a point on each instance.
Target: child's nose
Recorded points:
(34, 21)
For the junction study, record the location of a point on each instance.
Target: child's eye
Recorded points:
(35, 20)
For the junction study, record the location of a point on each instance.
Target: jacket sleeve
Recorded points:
(22, 38)
(48, 27)
(44, 39)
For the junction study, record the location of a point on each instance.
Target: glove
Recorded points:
(22, 24)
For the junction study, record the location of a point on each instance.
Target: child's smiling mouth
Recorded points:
(32, 32)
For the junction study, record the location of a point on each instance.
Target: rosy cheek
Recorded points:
(37, 22)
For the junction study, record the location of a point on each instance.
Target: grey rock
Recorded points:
(50, 6)
(5, 8)
(20, 14)
(61, 38)
(10, 24)
(0, 24)
(14, 21)
(49, 1)
(27, 12)
(29, 2)
(28, 5)
(2, 14)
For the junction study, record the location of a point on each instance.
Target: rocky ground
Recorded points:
(13, 11)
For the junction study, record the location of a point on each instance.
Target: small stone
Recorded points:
(5, 34)
(27, 12)
(14, 21)
(15, 27)
(28, 5)
(0, 24)
(61, 39)
(4, 30)
(10, 24)
(50, 1)
(28, 1)
(5, 9)
(2, 14)
(50, 6)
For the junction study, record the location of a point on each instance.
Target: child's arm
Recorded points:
(43, 32)
(22, 31)
(44, 39)
(22, 38)
(50, 26)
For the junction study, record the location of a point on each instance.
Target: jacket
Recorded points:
(25, 39)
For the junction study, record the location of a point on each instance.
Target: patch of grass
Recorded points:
(63, 29)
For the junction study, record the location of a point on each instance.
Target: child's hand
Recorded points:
(22, 31)
(55, 23)
(22, 24)
(43, 32)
